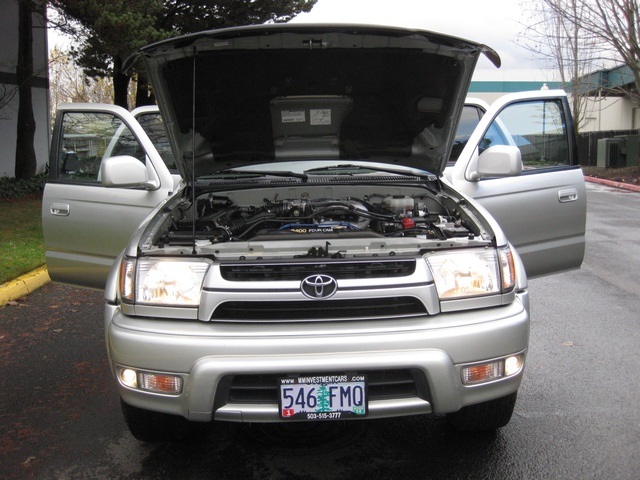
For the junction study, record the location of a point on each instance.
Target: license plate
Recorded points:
(323, 397)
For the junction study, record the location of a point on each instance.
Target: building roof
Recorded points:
(507, 80)
(605, 80)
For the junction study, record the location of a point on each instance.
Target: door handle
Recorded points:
(60, 209)
(568, 195)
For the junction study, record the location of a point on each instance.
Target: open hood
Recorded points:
(291, 92)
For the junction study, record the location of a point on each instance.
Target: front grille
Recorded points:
(381, 385)
(340, 270)
(319, 310)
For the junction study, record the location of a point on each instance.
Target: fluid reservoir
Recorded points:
(399, 203)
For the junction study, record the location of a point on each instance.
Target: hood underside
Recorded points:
(311, 92)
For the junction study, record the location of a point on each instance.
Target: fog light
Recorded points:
(494, 370)
(482, 373)
(129, 378)
(159, 383)
(512, 365)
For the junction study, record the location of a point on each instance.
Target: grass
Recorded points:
(21, 240)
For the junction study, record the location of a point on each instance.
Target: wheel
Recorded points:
(148, 426)
(484, 416)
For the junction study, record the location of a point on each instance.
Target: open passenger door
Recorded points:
(521, 164)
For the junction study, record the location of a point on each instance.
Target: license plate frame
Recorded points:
(323, 397)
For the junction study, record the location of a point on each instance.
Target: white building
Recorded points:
(8, 86)
(491, 84)
(604, 110)
(607, 108)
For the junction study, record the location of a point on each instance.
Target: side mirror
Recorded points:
(498, 161)
(125, 171)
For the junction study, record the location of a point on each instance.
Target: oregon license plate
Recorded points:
(323, 397)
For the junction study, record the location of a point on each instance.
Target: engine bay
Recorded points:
(230, 221)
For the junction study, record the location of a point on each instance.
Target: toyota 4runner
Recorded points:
(289, 239)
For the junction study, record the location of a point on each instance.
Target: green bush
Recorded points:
(12, 188)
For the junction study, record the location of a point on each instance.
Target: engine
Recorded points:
(219, 220)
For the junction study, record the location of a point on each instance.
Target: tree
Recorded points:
(324, 399)
(69, 84)
(113, 30)
(109, 32)
(571, 49)
(196, 15)
(26, 162)
(615, 24)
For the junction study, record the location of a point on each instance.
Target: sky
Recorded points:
(495, 23)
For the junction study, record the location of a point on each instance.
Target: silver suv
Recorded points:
(296, 250)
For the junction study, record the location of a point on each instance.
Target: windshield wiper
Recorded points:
(349, 169)
(237, 174)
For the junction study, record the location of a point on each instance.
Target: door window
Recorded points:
(537, 128)
(154, 127)
(86, 139)
(469, 119)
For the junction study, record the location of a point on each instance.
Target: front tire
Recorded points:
(148, 426)
(484, 416)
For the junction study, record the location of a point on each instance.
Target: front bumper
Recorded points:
(209, 355)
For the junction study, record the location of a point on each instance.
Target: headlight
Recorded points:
(162, 281)
(470, 273)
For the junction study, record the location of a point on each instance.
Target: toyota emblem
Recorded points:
(319, 286)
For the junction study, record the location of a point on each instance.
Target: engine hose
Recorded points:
(240, 226)
(237, 226)
(232, 213)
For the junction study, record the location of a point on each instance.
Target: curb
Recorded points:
(23, 285)
(611, 183)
